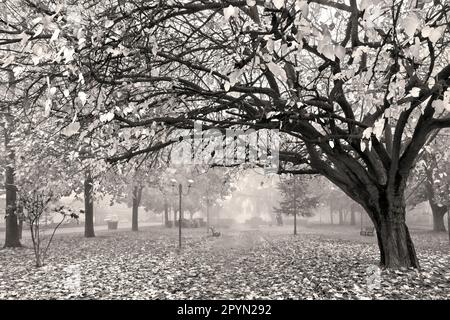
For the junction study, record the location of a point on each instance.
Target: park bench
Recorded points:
(367, 231)
(214, 233)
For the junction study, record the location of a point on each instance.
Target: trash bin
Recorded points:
(169, 224)
(112, 225)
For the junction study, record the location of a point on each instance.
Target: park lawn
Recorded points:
(268, 263)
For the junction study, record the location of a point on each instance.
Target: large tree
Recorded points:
(356, 89)
(12, 234)
(138, 184)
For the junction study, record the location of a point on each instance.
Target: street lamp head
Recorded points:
(173, 182)
(190, 183)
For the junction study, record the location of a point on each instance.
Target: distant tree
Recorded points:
(89, 205)
(337, 201)
(254, 193)
(153, 199)
(211, 185)
(430, 181)
(297, 199)
(138, 183)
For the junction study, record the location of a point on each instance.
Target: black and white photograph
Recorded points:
(252, 152)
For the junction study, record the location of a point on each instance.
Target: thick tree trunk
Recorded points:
(448, 224)
(12, 234)
(331, 216)
(341, 217)
(166, 213)
(295, 223)
(137, 195)
(352, 217)
(89, 206)
(20, 228)
(396, 247)
(438, 216)
(208, 223)
(134, 218)
(437, 211)
(394, 241)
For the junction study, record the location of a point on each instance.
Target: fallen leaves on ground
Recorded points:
(247, 264)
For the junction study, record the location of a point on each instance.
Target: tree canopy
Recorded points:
(353, 89)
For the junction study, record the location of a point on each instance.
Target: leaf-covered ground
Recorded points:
(250, 264)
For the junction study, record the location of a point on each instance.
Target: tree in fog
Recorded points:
(338, 202)
(297, 197)
(135, 181)
(210, 187)
(430, 181)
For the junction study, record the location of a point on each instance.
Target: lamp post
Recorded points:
(180, 209)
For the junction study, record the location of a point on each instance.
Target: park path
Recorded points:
(244, 238)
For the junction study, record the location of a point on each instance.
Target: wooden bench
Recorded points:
(214, 232)
(368, 231)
